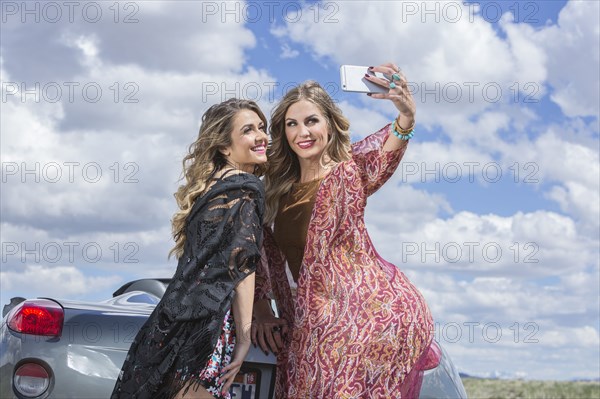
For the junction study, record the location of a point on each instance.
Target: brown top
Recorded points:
(291, 222)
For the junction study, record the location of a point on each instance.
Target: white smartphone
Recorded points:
(352, 78)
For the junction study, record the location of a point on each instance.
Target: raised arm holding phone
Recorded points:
(354, 326)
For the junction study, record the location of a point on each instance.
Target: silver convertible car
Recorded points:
(54, 348)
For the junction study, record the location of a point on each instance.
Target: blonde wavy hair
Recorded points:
(284, 168)
(205, 159)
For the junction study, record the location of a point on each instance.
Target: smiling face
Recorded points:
(248, 142)
(307, 131)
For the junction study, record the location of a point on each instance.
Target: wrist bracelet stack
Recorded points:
(403, 134)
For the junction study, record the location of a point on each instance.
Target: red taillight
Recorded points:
(433, 356)
(37, 316)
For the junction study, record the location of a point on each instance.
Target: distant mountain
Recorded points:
(497, 375)
(465, 375)
(585, 379)
(493, 375)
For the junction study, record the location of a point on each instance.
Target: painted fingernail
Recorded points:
(371, 67)
(266, 353)
(367, 75)
(369, 94)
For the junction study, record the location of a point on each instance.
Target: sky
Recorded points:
(494, 213)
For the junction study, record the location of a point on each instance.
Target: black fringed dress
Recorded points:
(222, 247)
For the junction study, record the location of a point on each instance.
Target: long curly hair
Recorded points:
(284, 167)
(204, 160)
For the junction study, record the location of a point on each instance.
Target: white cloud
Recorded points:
(91, 159)
(62, 203)
(55, 282)
(448, 60)
(363, 121)
(506, 326)
(133, 251)
(561, 159)
(576, 35)
(127, 33)
(452, 50)
(585, 337)
(288, 52)
(509, 310)
(525, 245)
(456, 52)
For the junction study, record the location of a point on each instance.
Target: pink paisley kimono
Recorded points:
(359, 328)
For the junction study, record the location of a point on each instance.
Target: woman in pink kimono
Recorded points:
(351, 325)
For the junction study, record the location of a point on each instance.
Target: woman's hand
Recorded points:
(242, 316)
(232, 369)
(398, 93)
(267, 330)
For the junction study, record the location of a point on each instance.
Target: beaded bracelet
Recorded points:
(403, 134)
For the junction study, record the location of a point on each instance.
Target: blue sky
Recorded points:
(99, 103)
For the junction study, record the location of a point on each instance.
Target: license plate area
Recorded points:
(246, 384)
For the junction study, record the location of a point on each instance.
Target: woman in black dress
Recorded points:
(195, 341)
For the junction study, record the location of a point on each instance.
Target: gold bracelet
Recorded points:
(403, 131)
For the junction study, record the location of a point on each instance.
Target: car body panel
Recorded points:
(86, 359)
(442, 381)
